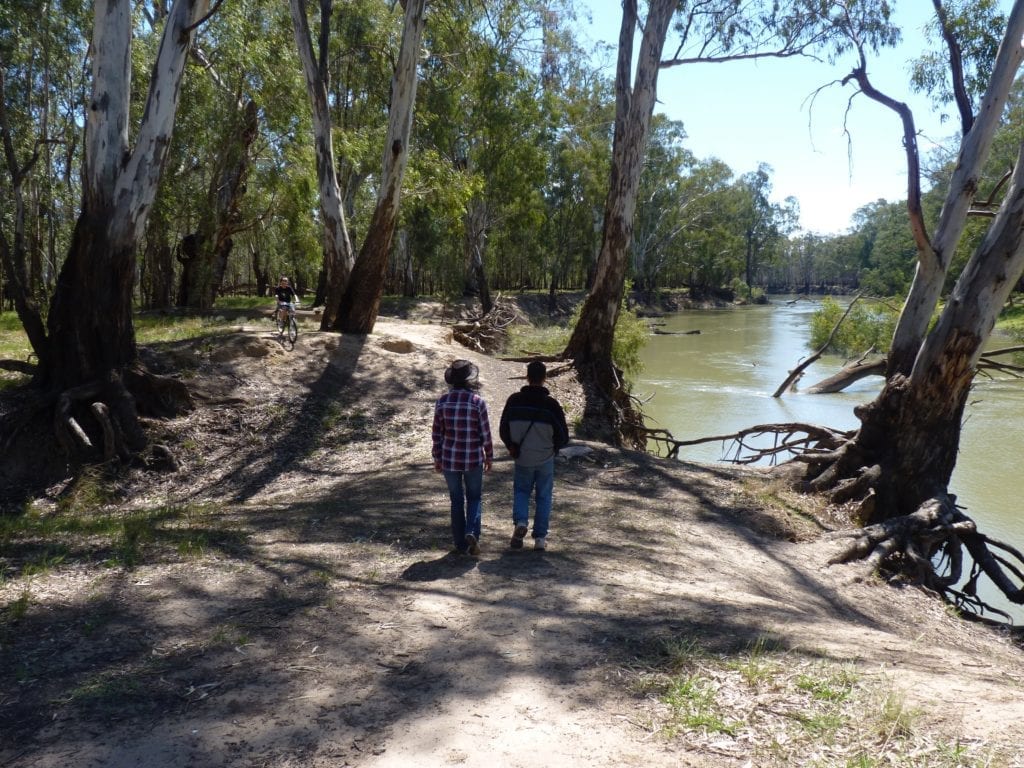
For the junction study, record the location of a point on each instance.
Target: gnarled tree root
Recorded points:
(928, 546)
(116, 412)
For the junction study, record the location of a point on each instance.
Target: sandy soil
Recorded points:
(297, 605)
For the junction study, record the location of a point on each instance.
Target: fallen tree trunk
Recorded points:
(847, 376)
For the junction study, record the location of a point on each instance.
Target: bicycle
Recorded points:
(284, 319)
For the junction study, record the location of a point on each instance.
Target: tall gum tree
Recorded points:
(898, 465)
(360, 304)
(711, 32)
(338, 253)
(91, 348)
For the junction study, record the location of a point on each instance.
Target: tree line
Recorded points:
(507, 165)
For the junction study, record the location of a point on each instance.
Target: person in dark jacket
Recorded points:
(533, 428)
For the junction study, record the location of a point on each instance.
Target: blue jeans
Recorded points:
(525, 481)
(466, 492)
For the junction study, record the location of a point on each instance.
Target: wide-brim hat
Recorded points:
(461, 373)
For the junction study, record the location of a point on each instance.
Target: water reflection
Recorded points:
(721, 380)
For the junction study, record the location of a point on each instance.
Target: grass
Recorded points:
(105, 688)
(783, 707)
(41, 541)
(692, 702)
(18, 608)
(13, 346)
(155, 329)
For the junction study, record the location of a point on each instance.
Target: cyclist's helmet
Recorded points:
(284, 279)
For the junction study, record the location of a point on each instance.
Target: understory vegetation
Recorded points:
(809, 712)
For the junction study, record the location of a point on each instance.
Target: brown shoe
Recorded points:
(472, 547)
(517, 537)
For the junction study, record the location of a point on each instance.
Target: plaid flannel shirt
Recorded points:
(462, 431)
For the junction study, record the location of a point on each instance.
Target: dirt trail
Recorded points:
(325, 624)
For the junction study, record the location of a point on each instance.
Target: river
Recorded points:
(721, 380)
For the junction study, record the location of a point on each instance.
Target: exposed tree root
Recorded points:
(487, 333)
(609, 414)
(930, 546)
(927, 546)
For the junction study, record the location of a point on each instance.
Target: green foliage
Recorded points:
(82, 528)
(17, 609)
(631, 335)
(867, 326)
(977, 25)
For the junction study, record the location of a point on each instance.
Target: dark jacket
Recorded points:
(533, 419)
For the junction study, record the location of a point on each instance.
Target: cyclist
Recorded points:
(286, 296)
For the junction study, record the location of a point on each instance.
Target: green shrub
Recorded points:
(630, 337)
(867, 326)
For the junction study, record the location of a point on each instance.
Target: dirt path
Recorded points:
(301, 609)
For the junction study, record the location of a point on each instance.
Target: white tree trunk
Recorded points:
(933, 263)
(362, 297)
(338, 256)
(591, 340)
(127, 189)
(980, 292)
(403, 100)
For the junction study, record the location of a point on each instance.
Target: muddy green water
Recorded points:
(722, 379)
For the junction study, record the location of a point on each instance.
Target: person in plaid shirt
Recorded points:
(463, 451)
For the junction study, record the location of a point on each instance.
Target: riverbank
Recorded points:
(287, 599)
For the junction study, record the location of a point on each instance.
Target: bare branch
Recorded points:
(956, 67)
(798, 371)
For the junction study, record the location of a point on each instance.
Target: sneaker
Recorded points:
(540, 543)
(517, 537)
(471, 545)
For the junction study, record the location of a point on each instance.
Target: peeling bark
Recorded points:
(361, 302)
(338, 256)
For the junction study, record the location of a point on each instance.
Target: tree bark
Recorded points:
(90, 320)
(361, 302)
(591, 340)
(205, 260)
(607, 409)
(934, 258)
(338, 256)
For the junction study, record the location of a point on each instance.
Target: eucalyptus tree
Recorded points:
(361, 301)
(898, 465)
(89, 353)
(578, 171)
(337, 248)
(714, 31)
(661, 215)
(239, 114)
(764, 224)
(889, 252)
(710, 245)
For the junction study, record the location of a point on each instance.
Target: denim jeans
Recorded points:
(466, 492)
(526, 480)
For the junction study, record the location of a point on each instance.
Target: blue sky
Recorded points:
(750, 112)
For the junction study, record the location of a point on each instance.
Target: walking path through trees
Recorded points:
(290, 601)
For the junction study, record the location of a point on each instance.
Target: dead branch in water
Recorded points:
(797, 372)
(788, 439)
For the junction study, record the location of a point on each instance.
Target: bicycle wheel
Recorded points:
(279, 321)
(293, 329)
